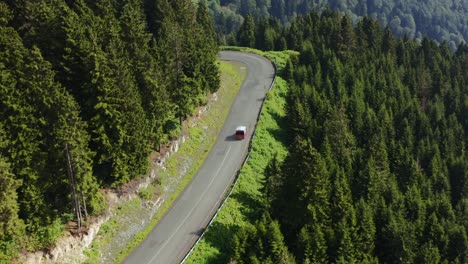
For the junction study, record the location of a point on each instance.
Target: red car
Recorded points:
(241, 132)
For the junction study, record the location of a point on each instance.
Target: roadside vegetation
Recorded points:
(178, 172)
(376, 169)
(377, 126)
(88, 90)
(245, 203)
(280, 58)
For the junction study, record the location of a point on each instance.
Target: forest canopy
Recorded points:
(88, 89)
(377, 168)
(438, 20)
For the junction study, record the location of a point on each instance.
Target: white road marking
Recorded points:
(191, 210)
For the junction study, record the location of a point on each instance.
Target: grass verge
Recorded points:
(245, 200)
(202, 138)
(203, 133)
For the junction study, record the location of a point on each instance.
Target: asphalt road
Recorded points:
(181, 226)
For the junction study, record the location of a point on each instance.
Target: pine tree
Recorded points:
(273, 181)
(40, 161)
(366, 232)
(27, 86)
(12, 228)
(210, 79)
(457, 249)
(312, 244)
(428, 253)
(71, 145)
(388, 43)
(246, 35)
(154, 96)
(341, 139)
(174, 53)
(278, 251)
(345, 40)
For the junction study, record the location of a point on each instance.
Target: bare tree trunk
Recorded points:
(84, 206)
(71, 178)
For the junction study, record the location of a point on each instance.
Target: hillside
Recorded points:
(438, 20)
(376, 131)
(88, 90)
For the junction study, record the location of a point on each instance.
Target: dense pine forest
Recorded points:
(439, 20)
(88, 89)
(377, 163)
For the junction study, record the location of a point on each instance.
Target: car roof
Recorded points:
(243, 128)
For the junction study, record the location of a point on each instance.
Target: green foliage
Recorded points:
(280, 58)
(231, 227)
(40, 118)
(5, 14)
(372, 174)
(8, 250)
(11, 227)
(443, 21)
(86, 96)
(48, 235)
(109, 227)
(378, 124)
(246, 35)
(145, 193)
(268, 244)
(196, 146)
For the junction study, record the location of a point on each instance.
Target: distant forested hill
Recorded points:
(439, 20)
(87, 90)
(377, 163)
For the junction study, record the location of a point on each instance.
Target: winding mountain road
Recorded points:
(178, 230)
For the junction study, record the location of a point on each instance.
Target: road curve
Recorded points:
(181, 226)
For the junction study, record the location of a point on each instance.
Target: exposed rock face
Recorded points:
(68, 249)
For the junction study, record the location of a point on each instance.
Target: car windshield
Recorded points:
(239, 132)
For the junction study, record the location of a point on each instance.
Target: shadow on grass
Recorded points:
(251, 206)
(221, 236)
(281, 134)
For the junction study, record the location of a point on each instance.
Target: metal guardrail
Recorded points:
(236, 178)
